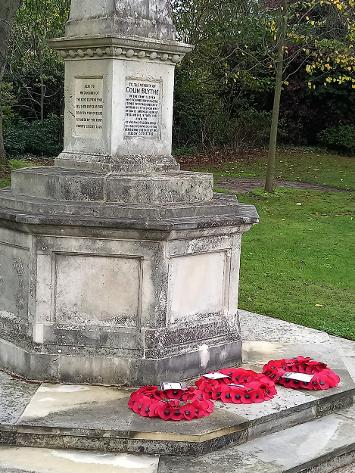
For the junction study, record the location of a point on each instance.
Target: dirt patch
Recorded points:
(242, 186)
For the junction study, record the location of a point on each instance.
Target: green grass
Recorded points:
(4, 182)
(298, 164)
(297, 264)
(14, 164)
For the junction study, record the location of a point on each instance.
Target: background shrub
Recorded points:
(41, 138)
(340, 138)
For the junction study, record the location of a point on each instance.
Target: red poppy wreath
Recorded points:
(171, 404)
(236, 385)
(301, 373)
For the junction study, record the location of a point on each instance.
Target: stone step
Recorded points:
(97, 418)
(60, 184)
(319, 446)
(223, 210)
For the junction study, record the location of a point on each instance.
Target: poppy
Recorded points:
(164, 411)
(145, 407)
(226, 396)
(188, 411)
(173, 393)
(177, 414)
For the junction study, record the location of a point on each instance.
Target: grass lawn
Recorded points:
(298, 263)
(294, 164)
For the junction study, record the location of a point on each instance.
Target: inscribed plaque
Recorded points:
(143, 109)
(88, 107)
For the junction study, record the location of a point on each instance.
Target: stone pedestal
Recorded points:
(115, 266)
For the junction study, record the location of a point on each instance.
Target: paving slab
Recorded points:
(257, 327)
(263, 351)
(305, 444)
(14, 397)
(52, 399)
(346, 349)
(344, 346)
(40, 460)
(222, 461)
(319, 446)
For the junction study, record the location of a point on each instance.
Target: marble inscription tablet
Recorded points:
(143, 109)
(88, 107)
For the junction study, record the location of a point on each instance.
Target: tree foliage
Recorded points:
(317, 36)
(8, 10)
(225, 88)
(36, 71)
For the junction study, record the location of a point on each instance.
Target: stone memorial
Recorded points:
(115, 266)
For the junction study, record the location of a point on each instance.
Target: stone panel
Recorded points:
(14, 280)
(97, 290)
(197, 285)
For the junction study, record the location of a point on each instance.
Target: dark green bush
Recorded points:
(249, 128)
(340, 138)
(35, 137)
(15, 136)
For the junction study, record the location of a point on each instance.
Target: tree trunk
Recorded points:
(43, 92)
(8, 10)
(270, 171)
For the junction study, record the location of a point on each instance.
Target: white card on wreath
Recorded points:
(216, 375)
(167, 386)
(305, 378)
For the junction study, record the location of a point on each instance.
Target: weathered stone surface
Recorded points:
(39, 460)
(227, 460)
(222, 211)
(52, 400)
(319, 446)
(259, 352)
(133, 316)
(329, 436)
(147, 18)
(14, 397)
(146, 164)
(98, 418)
(96, 365)
(118, 103)
(256, 327)
(71, 185)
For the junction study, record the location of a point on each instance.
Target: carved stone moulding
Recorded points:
(120, 48)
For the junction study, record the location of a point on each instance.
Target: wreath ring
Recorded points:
(171, 404)
(320, 376)
(238, 386)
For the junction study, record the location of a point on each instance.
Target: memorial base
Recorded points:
(117, 300)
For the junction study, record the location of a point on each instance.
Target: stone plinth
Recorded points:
(115, 267)
(119, 102)
(117, 300)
